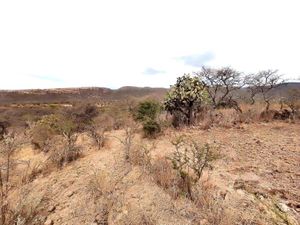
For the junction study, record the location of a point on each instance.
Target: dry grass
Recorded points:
(262, 150)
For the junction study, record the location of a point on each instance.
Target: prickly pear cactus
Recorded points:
(186, 96)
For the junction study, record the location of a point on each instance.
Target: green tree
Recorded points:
(186, 98)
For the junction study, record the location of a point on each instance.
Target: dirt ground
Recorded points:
(257, 175)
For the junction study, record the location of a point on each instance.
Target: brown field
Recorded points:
(254, 178)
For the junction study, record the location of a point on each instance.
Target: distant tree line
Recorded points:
(220, 88)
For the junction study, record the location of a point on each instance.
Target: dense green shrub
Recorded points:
(147, 112)
(151, 128)
(148, 109)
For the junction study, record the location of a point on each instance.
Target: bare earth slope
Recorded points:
(259, 170)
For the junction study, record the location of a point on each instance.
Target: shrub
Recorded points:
(83, 115)
(64, 150)
(165, 176)
(145, 110)
(51, 125)
(151, 128)
(141, 155)
(3, 129)
(127, 140)
(40, 136)
(190, 159)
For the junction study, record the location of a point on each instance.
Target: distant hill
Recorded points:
(68, 95)
(100, 94)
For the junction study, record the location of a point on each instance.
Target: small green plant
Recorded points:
(190, 159)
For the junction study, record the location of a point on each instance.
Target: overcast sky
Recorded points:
(114, 43)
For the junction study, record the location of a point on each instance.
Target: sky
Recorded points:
(114, 43)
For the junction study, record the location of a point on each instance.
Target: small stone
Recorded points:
(98, 218)
(203, 222)
(49, 222)
(51, 208)
(70, 193)
(283, 207)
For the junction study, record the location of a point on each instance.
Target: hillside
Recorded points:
(98, 94)
(65, 95)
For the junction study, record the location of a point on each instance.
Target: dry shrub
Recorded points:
(127, 140)
(267, 116)
(117, 115)
(32, 171)
(25, 210)
(141, 155)
(210, 204)
(138, 218)
(64, 150)
(165, 176)
(100, 183)
(216, 209)
(226, 118)
(40, 136)
(98, 136)
(249, 116)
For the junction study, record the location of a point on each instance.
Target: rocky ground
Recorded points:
(257, 176)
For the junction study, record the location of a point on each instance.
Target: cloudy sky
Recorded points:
(113, 43)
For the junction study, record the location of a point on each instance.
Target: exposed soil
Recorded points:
(257, 174)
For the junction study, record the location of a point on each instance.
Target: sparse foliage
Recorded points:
(127, 140)
(292, 100)
(98, 135)
(189, 159)
(262, 83)
(221, 85)
(64, 150)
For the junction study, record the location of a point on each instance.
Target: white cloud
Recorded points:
(112, 43)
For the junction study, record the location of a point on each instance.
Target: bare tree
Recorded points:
(262, 83)
(222, 85)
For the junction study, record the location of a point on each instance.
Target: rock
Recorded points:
(70, 193)
(239, 184)
(51, 208)
(203, 222)
(49, 222)
(98, 218)
(282, 207)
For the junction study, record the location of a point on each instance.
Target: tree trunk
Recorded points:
(191, 113)
(267, 105)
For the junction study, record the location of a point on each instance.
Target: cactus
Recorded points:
(186, 97)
